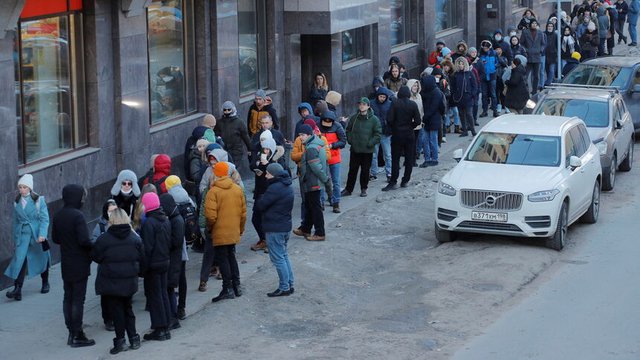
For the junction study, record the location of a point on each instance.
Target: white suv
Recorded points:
(523, 175)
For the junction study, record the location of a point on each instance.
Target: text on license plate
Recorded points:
(489, 216)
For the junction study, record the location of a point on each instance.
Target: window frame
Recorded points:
(262, 51)
(409, 24)
(452, 15)
(362, 38)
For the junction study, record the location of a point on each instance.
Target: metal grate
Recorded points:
(490, 200)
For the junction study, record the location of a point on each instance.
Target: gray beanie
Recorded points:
(261, 94)
(275, 169)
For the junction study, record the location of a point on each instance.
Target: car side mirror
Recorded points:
(457, 155)
(574, 162)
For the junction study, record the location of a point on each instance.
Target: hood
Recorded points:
(223, 182)
(120, 231)
(169, 205)
(198, 132)
(383, 90)
(414, 81)
(394, 60)
(523, 59)
(600, 10)
(269, 144)
(105, 208)
(180, 195)
(404, 92)
(463, 43)
(498, 31)
(162, 165)
(219, 154)
(229, 105)
(377, 81)
(321, 107)
(428, 83)
(126, 175)
(73, 195)
(512, 177)
(283, 178)
(462, 59)
(486, 42)
(328, 115)
(511, 40)
(305, 105)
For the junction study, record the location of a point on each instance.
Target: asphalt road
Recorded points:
(586, 306)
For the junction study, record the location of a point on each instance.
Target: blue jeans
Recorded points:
(633, 33)
(455, 114)
(430, 144)
(335, 180)
(277, 245)
(551, 73)
(385, 141)
(488, 92)
(543, 73)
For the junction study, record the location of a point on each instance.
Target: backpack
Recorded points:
(191, 229)
(188, 148)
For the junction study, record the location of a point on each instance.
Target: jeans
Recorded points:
(362, 162)
(256, 220)
(158, 299)
(277, 245)
(633, 33)
(123, 317)
(467, 120)
(551, 72)
(402, 145)
(430, 144)
(226, 257)
(73, 304)
(385, 143)
(313, 213)
(488, 92)
(534, 70)
(207, 259)
(335, 179)
(543, 78)
(601, 46)
(455, 114)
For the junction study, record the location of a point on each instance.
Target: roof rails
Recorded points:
(613, 90)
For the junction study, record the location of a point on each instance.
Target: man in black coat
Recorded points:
(402, 118)
(70, 231)
(175, 256)
(234, 133)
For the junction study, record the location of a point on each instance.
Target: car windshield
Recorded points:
(593, 113)
(515, 149)
(599, 75)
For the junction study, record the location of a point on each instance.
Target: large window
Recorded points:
(520, 3)
(50, 102)
(355, 44)
(403, 22)
(252, 45)
(446, 14)
(171, 59)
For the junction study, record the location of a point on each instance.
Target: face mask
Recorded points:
(513, 33)
(437, 80)
(498, 38)
(167, 78)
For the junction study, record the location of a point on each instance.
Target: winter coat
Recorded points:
(226, 212)
(504, 44)
(276, 204)
(197, 166)
(551, 51)
(517, 50)
(27, 226)
(381, 110)
(623, 10)
(363, 132)
(603, 23)
(535, 43)
(463, 88)
(433, 103)
(571, 63)
(297, 149)
(589, 42)
(416, 97)
(525, 22)
(70, 231)
(377, 81)
(120, 256)
(255, 114)
(394, 84)
(126, 202)
(314, 170)
(490, 61)
(102, 225)
(234, 133)
(161, 170)
(633, 12)
(458, 54)
(316, 94)
(336, 140)
(403, 116)
(569, 45)
(156, 238)
(517, 91)
(177, 238)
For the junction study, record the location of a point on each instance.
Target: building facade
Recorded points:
(92, 87)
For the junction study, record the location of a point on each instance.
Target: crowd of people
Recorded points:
(148, 222)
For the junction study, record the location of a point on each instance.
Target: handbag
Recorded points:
(45, 245)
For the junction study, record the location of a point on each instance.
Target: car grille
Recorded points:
(489, 226)
(538, 221)
(446, 215)
(481, 199)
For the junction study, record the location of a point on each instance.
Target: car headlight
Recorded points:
(530, 104)
(545, 195)
(446, 189)
(601, 146)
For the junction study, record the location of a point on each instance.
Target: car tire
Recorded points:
(558, 239)
(591, 216)
(609, 176)
(627, 163)
(444, 236)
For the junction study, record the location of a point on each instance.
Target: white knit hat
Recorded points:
(26, 180)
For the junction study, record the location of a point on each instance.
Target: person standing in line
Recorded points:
(120, 257)
(30, 226)
(331, 129)
(463, 89)
(535, 42)
(381, 106)
(632, 19)
(156, 238)
(589, 42)
(434, 109)
(319, 88)
(170, 208)
(515, 81)
(262, 106)
(623, 9)
(226, 214)
(603, 26)
(275, 206)
(414, 86)
(363, 134)
(235, 136)
(70, 231)
(489, 60)
(126, 192)
(403, 117)
(101, 227)
(551, 54)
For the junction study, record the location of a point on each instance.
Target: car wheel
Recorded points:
(557, 240)
(609, 176)
(591, 216)
(626, 164)
(444, 236)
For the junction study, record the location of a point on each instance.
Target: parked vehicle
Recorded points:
(523, 175)
(608, 122)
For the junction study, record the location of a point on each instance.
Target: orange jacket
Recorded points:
(226, 212)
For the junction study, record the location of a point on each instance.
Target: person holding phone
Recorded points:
(265, 156)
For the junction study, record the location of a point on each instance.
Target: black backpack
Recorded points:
(191, 229)
(188, 148)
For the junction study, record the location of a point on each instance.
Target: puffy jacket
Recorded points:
(381, 110)
(433, 103)
(363, 132)
(517, 91)
(276, 204)
(156, 238)
(254, 115)
(177, 238)
(404, 115)
(120, 256)
(490, 61)
(314, 170)
(234, 133)
(336, 138)
(226, 212)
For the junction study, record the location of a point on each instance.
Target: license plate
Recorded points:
(489, 216)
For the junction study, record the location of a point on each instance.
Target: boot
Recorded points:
(16, 293)
(237, 288)
(336, 208)
(118, 346)
(81, 340)
(457, 129)
(135, 342)
(45, 287)
(226, 293)
(159, 334)
(70, 338)
(182, 314)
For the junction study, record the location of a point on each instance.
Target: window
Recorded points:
(594, 113)
(49, 78)
(252, 45)
(446, 14)
(520, 3)
(354, 44)
(403, 22)
(578, 142)
(515, 149)
(171, 59)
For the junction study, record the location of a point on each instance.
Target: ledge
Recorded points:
(171, 123)
(355, 63)
(57, 160)
(403, 47)
(250, 96)
(449, 32)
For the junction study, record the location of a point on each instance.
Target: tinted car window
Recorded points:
(593, 113)
(578, 142)
(569, 148)
(585, 135)
(601, 75)
(516, 149)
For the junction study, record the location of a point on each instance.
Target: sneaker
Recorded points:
(391, 186)
(203, 286)
(363, 193)
(404, 184)
(433, 163)
(315, 238)
(299, 232)
(278, 293)
(345, 192)
(426, 163)
(336, 208)
(484, 114)
(260, 245)
(373, 178)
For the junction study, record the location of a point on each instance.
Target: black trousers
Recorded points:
(362, 162)
(158, 299)
(466, 119)
(104, 306)
(534, 70)
(23, 272)
(182, 286)
(256, 220)
(208, 259)
(226, 259)
(402, 145)
(122, 313)
(313, 212)
(73, 304)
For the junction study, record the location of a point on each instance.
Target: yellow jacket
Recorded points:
(226, 212)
